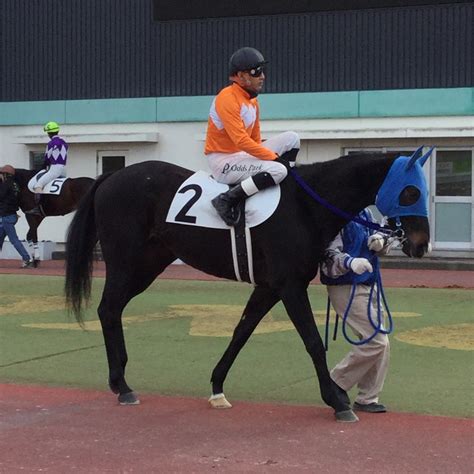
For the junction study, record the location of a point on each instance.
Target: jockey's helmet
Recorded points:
(7, 169)
(245, 59)
(51, 127)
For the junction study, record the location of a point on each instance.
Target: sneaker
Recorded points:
(370, 408)
(28, 263)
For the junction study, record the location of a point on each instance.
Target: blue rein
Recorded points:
(336, 210)
(378, 326)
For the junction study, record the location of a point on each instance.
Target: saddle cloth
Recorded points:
(191, 204)
(53, 187)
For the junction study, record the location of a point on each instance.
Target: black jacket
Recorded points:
(9, 192)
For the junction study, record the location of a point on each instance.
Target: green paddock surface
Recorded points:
(177, 330)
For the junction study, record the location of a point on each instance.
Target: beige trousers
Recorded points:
(366, 365)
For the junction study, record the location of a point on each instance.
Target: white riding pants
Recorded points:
(365, 365)
(232, 168)
(43, 177)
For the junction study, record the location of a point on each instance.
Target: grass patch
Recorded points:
(38, 345)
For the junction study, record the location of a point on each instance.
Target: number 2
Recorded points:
(182, 216)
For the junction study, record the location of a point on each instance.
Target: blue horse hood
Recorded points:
(405, 171)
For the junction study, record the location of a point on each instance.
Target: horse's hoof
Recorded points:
(219, 401)
(346, 416)
(36, 263)
(129, 398)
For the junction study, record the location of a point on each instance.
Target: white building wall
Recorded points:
(182, 143)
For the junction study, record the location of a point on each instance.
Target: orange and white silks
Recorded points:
(234, 126)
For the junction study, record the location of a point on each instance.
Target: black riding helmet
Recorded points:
(245, 59)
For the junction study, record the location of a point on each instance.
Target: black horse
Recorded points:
(126, 212)
(50, 205)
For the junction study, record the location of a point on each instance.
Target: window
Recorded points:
(36, 160)
(454, 173)
(110, 161)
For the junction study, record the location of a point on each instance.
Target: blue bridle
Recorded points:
(405, 171)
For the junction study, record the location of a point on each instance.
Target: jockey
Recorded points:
(54, 160)
(234, 148)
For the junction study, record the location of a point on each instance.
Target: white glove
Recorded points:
(376, 242)
(360, 265)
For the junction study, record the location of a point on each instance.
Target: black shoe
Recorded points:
(370, 408)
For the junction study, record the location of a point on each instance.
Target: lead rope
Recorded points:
(378, 328)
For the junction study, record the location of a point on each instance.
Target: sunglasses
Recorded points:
(256, 71)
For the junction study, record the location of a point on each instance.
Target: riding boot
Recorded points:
(227, 204)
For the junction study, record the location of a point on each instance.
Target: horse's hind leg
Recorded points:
(261, 301)
(124, 281)
(34, 221)
(296, 301)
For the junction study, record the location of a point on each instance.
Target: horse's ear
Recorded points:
(425, 157)
(416, 154)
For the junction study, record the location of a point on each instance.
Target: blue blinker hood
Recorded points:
(405, 171)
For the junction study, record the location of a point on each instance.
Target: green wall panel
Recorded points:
(30, 113)
(111, 110)
(183, 109)
(417, 102)
(301, 106)
(309, 105)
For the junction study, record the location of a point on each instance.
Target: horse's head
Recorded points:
(403, 198)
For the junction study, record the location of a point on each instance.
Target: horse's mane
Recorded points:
(22, 176)
(327, 174)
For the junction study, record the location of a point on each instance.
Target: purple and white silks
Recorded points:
(56, 152)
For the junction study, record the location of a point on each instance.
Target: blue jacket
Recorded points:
(350, 243)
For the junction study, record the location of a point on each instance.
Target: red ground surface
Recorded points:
(59, 430)
(68, 430)
(391, 277)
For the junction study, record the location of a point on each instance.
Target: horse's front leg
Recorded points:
(261, 301)
(296, 301)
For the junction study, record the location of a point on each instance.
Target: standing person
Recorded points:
(54, 160)
(9, 192)
(234, 147)
(350, 259)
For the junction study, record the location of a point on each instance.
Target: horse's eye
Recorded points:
(409, 196)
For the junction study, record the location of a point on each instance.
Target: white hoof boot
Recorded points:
(219, 401)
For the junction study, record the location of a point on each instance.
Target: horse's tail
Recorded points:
(81, 240)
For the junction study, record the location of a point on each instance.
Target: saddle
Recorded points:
(191, 205)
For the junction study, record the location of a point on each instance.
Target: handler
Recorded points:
(234, 148)
(349, 259)
(9, 192)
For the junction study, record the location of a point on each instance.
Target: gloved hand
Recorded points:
(376, 242)
(288, 158)
(360, 265)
